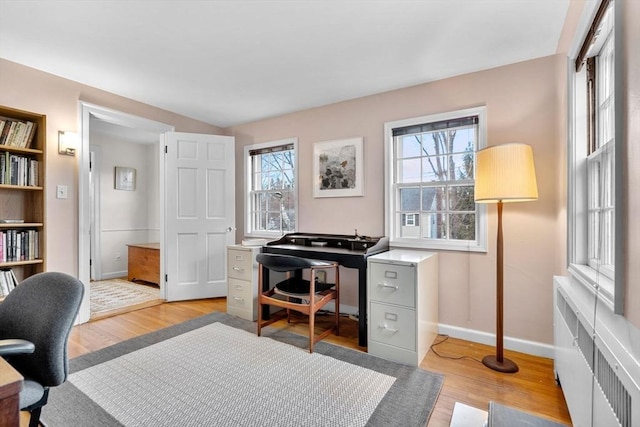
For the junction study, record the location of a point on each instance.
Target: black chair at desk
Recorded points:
(296, 293)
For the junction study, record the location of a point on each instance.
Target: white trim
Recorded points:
(480, 244)
(510, 343)
(249, 232)
(114, 275)
(86, 112)
(96, 252)
(577, 218)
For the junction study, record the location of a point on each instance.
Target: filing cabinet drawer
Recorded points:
(392, 284)
(240, 299)
(393, 325)
(240, 264)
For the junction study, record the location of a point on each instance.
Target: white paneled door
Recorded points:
(199, 211)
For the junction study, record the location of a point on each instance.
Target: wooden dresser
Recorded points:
(144, 262)
(10, 386)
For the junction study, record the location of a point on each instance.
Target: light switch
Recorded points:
(61, 192)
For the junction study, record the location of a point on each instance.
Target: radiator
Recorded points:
(597, 368)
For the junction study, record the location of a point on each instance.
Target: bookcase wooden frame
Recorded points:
(27, 203)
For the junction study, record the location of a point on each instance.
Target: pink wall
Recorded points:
(32, 90)
(523, 105)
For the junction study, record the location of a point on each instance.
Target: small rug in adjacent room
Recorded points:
(110, 295)
(215, 371)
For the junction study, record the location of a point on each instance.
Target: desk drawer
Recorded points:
(392, 284)
(393, 325)
(240, 264)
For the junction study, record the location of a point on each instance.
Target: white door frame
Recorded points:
(87, 111)
(94, 194)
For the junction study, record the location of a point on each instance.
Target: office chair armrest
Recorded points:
(12, 347)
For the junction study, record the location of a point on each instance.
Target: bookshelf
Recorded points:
(22, 193)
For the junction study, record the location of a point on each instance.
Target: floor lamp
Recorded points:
(504, 173)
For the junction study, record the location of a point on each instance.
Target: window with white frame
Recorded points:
(430, 181)
(592, 158)
(271, 188)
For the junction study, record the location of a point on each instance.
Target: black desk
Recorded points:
(346, 250)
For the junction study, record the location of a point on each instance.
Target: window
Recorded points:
(430, 180)
(593, 137)
(271, 195)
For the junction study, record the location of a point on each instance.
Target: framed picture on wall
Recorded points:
(338, 168)
(125, 178)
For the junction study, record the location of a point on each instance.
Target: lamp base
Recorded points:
(506, 366)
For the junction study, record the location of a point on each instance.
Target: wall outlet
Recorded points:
(117, 256)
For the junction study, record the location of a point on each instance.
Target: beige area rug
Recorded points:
(114, 296)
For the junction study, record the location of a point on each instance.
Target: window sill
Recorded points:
(595, 282)
(437, 246)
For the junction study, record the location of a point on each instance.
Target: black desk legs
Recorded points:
(265, 287)
(362, 306)
(362, 301)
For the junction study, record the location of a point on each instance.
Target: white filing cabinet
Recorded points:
(242, 281)
(402, 293)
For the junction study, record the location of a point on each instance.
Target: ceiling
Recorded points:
(227, 62)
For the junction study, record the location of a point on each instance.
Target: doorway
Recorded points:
(110, 139)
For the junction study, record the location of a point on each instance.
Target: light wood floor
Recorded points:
(533, 389)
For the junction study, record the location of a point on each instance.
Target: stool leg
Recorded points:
(337, 301)
(312, 335)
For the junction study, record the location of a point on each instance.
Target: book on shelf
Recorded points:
(16, 133)
(19, 245)
(8, 281)
(16, 169)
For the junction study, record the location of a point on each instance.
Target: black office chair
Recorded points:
(298, 294)
(35, 321)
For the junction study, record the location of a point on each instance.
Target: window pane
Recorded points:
(410, 199)
(464, 140)
(461, 198)
(409, 230)
(408, 171)
(409, 146)
(433, 198)
(434, 226)
(463, 226)
(288, 176)
(436, 143)
(435, 169)
(273, 221)
(462, 166)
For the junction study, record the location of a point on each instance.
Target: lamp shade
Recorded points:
(505, 173)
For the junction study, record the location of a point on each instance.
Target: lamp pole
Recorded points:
(498, 362)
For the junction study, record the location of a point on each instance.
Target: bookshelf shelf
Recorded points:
(19, 263)
(21, 187)
(23, 202)
(21, 225)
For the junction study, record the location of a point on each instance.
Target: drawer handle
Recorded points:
(238, 268)
(384, 285)
(239, 299)
(384, 327)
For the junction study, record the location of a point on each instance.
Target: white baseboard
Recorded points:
(515, 344)
(113, 275)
